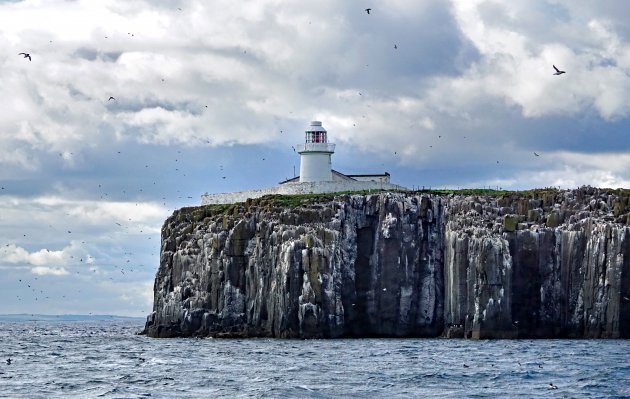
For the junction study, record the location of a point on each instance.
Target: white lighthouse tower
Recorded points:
(315, 154)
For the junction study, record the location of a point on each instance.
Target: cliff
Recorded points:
(540, 264)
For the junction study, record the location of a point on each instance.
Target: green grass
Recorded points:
(293, 200)
(463, 191)
(198, 213)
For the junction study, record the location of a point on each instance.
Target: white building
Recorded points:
(316, 174)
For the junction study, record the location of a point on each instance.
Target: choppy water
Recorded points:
(107, 360)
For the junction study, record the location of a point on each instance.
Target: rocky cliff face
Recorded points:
(538, 265)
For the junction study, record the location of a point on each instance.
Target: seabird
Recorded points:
(111, 98)
(9, 361)
(551, 386)
(558, 72)
(26, 55)
(466, 366)
(537, 154)
(395, 46)
(368, 10)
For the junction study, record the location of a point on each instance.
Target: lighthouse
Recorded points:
(316, 174)
(315, 154)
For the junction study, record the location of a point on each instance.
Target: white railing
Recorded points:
(315, 147)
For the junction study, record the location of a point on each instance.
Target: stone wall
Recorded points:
(298, 188)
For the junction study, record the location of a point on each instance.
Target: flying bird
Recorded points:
(26, 55)
(395, 46)
(111, 98)
(368, 10)
(537, 154)
(558, 72)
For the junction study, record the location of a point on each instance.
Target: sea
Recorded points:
(107, 359)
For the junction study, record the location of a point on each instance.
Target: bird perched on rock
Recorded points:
(558, 72)
(26, 55)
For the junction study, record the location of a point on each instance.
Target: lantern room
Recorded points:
(316, 133)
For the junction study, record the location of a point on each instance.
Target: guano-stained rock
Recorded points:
(546, 264)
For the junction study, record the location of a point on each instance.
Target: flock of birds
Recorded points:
(123, 269)
(105, 195)
(368, 11)
(38, 290)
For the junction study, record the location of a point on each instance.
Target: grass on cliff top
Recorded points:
(463, 191)
(292, 201)
(531, 193)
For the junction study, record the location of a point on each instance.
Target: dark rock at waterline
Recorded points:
(542, 264)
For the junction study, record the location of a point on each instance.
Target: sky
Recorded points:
(211, 95)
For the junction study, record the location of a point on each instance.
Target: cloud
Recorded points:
(570, 170)
(97, 213)
(516, 61)
(18, 255)
(49, 271)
